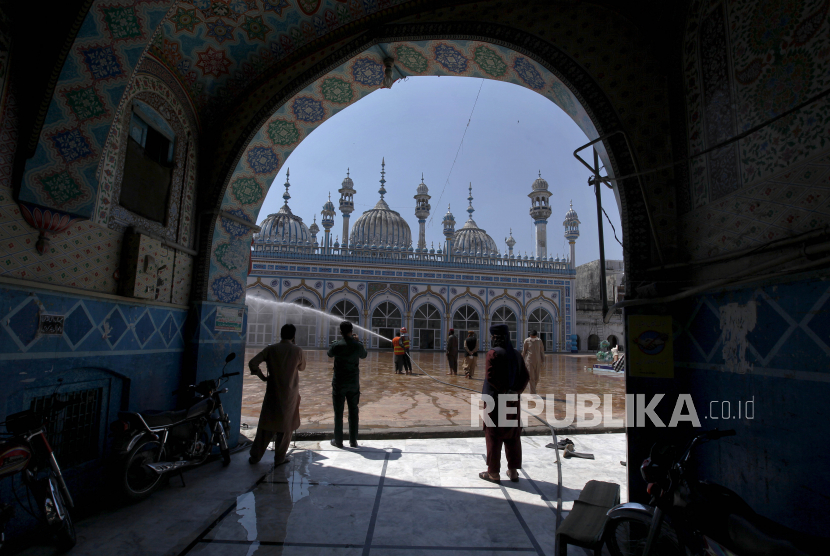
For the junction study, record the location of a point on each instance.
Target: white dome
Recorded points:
(281, 227)
(540, 184)
(381, 226)
(472, 239)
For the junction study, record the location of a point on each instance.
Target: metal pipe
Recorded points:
(804, 252)
(603, 289)
(743, 252)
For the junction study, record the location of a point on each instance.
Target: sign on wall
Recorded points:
(229, 319)
(51, 325)
(650, 350)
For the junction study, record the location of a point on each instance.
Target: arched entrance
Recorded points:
(593, 342)
(304, 321)
(464, 320)
(612, 341)
(426, 333)
(541, 321)
(386, 321)
(344, 310)
(504, 315)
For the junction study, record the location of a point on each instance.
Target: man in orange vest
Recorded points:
(407, 361)
(398, 347)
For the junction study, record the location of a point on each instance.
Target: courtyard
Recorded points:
(390, 401)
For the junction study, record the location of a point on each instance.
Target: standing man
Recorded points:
(504, 373)
(280, 415)
(407, 358)
(471, 354)
(397, 348)
(533, 352)
(345, 383)
(452, 352)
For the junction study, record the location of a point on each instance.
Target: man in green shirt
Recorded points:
(345, 383)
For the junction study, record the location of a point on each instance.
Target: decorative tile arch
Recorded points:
(429, 293)
(345, 288)
(289, 294)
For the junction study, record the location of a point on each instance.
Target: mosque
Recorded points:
(378, 279)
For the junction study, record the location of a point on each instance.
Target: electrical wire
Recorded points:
(615, 230)
(458, 151)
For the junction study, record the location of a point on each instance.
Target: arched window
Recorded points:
(305, 321)
(386, 320)
(464, 320)
(541, 321)
(593, 342)
(343, 310)
(503, 315)
(260, 321)
(427, 331)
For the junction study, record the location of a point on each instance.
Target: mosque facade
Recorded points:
(382, 277)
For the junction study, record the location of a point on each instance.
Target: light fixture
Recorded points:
(389, 62)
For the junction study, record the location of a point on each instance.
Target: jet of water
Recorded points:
(285, 305)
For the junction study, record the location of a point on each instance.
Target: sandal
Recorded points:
(487, 477)
(513, 475)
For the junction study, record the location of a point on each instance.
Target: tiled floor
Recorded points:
(395, 497)
(407, 497)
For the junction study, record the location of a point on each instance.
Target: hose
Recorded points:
(555, 447)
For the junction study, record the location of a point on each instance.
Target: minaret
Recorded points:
(422, 209)
(540, 212)
(510, 243)
(571, 224)
(328, 222)
(449, 232)
(346, 205)
(314, 228)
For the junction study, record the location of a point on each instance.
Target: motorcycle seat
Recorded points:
(163, 418)
(198, 409)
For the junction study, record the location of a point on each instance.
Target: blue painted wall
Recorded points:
(137, 353)
(778, 460)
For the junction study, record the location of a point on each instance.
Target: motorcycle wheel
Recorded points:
(223, 447)
(138, 481)
(627, 537)
(53, 507)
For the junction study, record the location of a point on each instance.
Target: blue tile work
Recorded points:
(206, 352)
(786, 373)
(122, 337)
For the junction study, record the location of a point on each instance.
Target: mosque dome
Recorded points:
(470, 238)
(283, 227)
(540, 184)
(381, 226)
(570, 216)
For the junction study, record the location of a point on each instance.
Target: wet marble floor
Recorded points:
(390, 401)
(387, 497)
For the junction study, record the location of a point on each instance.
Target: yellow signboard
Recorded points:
(650, 352)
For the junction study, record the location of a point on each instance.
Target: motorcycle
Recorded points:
(26, 450)
(154, 444)
(690, 517)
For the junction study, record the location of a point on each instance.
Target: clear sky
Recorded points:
(417, 125)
